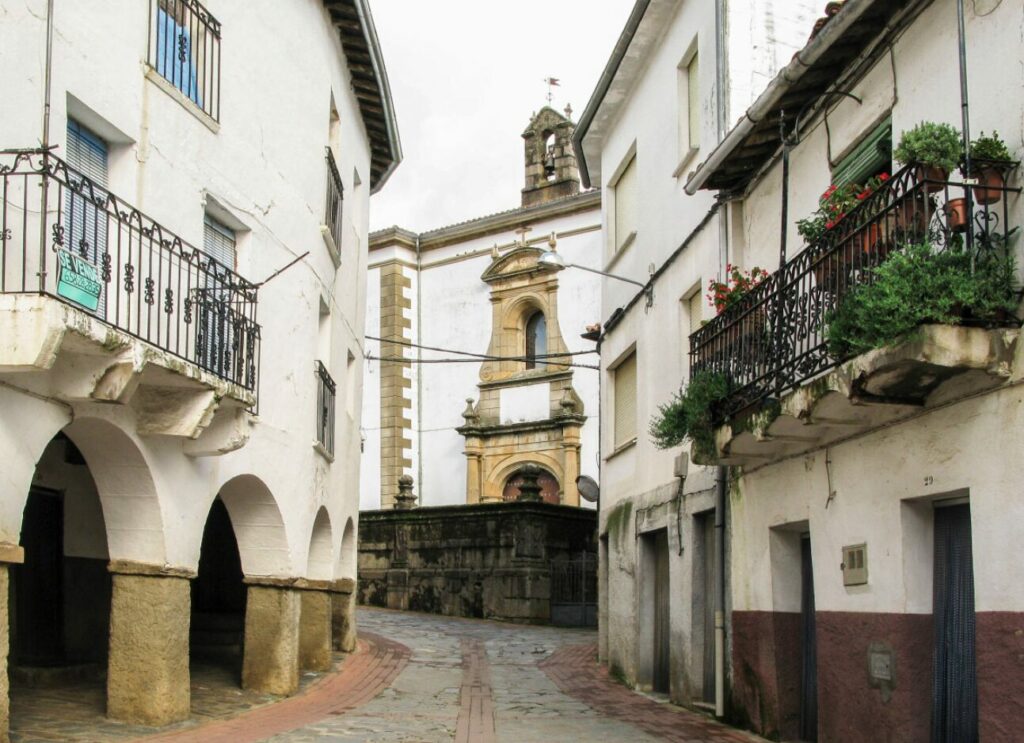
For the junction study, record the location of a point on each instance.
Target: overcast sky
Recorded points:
(466, 75)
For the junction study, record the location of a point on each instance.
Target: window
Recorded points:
(625, 198)
(335, 197)
(536, 341)
(85, 219)
(215, 331)
(184, 48)
(693, 310)
(625, 400)
(325, 390)
(688, 97)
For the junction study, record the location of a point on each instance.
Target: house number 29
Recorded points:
(928, 481)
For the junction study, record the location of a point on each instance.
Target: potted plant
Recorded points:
(993, 159)
(724, 295)
(934, 149)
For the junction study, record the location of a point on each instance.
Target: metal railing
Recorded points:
(774, 338)
(184, 48)
(325, 394)
(65, 236)
(335, 199)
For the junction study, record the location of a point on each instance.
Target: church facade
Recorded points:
(475, 366)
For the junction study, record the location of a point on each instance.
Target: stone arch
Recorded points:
(347, 559)
(319, 562)
(127, 492)
(514, 463)
(258, 526)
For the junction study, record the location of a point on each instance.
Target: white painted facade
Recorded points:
(637, 111)
(451, 309)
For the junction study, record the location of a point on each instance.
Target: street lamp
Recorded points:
(552, 259)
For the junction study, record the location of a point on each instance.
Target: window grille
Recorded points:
(335, 197)
(325, 391)
(184, 48)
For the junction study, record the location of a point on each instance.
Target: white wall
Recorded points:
(264, 166)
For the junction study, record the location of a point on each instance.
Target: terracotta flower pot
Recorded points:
(956, 214)
(936, 176)
(871, 238)
(990, 181)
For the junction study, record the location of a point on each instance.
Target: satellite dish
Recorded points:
(588, 487)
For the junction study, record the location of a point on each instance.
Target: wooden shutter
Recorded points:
(693, 102)
(696, 307)
(870, 157)
(625, 400)
(625, 204)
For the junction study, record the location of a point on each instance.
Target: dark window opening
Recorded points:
(536, 341)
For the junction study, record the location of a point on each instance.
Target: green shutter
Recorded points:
(872, 155)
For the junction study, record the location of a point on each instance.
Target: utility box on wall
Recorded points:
(855, 565)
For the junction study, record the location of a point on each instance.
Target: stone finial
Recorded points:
(529, 488)
(495, 253)
(568, 111)
(568, 402)
(406, 499)
(470, 414)
(553, 240)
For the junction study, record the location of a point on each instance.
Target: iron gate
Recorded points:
(574, 591)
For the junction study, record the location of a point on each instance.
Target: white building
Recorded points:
(476, 287)
(180, 440)
(674, 80)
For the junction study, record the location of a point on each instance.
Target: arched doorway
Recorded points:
(60, 597)
(217, 629)
(549, 488)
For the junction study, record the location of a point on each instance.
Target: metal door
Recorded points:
(574, 591)
(809, 646)
(660, 676)
(954, 686)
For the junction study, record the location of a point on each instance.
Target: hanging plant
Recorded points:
(690, 414)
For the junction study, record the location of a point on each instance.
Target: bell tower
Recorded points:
(551, 171)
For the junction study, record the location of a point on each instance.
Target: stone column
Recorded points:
(10, 554)
(147, 669)
(314, 625)
(343, 606)
(271, 658)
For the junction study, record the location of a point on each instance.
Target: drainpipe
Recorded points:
(965, 115)
(721, 61)
(47, 84)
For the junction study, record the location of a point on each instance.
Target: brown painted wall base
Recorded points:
(766, 675)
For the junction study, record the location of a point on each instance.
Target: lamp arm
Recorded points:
(604, 273)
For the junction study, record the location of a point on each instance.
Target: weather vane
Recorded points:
(552, 82)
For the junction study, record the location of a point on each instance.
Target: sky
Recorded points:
(466, 76)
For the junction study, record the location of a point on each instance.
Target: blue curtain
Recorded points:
(170, 38)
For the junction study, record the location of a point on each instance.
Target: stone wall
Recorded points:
(491, 560)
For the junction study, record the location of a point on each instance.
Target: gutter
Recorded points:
(605, 81)
(377, 60)
(802, 61)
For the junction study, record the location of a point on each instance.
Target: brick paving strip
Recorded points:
(476, 706)
(376, 662)
(575, 671)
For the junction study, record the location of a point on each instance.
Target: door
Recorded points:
(660, 675)
(809, 646)
(85, 214)
(215, 336)
(38, 595)
(707, 616)
(954, 686)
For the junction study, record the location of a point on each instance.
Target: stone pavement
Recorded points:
(415, 678)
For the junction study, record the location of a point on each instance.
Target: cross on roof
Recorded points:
(522, 234)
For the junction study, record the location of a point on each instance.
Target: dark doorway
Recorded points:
(808, 646)
(38, 632)
(704, 617)
(217, 628)
(660, 679)
(954, 687)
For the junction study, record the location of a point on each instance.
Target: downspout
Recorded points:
(965, 114)
(721, 60)
(47, 84)
(419, 368)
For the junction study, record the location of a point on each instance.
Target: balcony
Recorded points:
(103, 303)
(789, 393)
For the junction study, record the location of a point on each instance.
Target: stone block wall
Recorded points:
(491, 560)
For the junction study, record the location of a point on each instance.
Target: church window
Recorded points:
(536, 340)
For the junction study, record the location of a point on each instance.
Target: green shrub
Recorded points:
(918, 285)
(990, 148)
(690, 414)
(930, 144)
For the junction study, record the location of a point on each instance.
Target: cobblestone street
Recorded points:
(414, 678)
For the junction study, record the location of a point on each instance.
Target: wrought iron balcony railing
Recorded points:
(65, 236)
(335, 199)
(774, 338)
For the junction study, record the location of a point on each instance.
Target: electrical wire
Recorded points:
(403, 360)
(489, 357)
